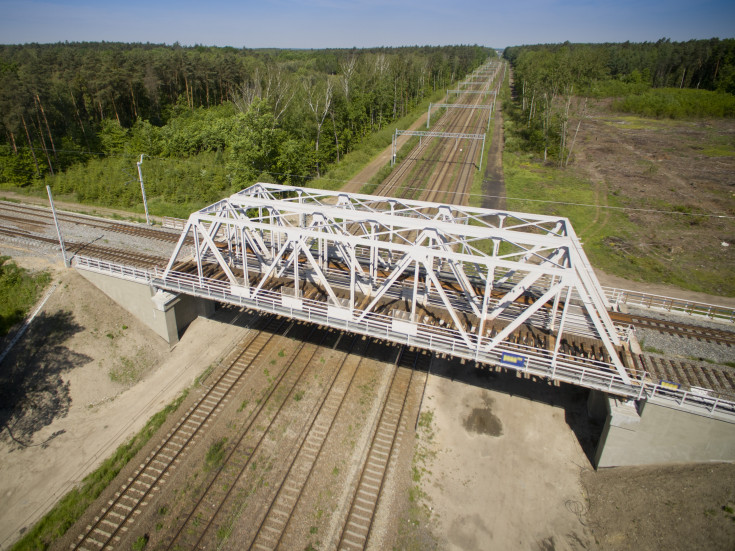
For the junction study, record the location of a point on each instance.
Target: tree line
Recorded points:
(553, 81)
(296, 111)
(702, 64)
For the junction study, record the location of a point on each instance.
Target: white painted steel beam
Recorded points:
(419, 261)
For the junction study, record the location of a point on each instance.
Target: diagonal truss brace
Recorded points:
(479, 269)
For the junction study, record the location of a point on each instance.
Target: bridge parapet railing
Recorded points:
(173, 223)
(111, 268)
(586, 372)
(669, 304)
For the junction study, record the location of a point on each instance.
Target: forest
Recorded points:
(77, 116)
(658, 79)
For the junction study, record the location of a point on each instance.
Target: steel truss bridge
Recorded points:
(462, 281)
(453, 279)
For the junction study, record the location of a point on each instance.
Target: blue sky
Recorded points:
(363, 23)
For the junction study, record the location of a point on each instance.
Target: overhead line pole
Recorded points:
(142, 189)
(58, 228)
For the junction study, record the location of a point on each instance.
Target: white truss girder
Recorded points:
(483, 272)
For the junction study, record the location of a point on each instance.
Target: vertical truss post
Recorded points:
(244, 245)
(415, 291)
(198, 254)
(373, 258)
(485, 303)
(353, 276)
(296, 247)
(559, 334)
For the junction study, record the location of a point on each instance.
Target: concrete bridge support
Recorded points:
(647, 433)
(167, 314)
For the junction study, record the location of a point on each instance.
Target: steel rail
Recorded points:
(201, 507)
(176, 442)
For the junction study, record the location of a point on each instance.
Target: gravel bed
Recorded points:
(79, 233)
(680, 347)
(699, 321)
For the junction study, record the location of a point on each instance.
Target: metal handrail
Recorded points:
(669, 304)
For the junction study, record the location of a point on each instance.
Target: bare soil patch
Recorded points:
(680, 175)
(672, 507)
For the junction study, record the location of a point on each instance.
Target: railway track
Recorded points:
(90, 249)
(417, 176)
(120, 512)
(685, 330)
(387, 437)
(715, 379)
(270, 531)
(221, 507)
(34, 216)
(206, 520)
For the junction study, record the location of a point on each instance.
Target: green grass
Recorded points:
(724, 150)
(66, 512)
(215, 454)
(678, 103)
(633, 122)
(140, 543)
(540, 189)
(19, 290)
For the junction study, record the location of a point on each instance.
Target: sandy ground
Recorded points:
(68, 434)
(505, 472)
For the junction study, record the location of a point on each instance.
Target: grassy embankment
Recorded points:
(19, 290)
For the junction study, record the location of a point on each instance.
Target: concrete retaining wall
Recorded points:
(165, 313)
(648, 433)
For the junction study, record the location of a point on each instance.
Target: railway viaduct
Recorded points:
(503, 289)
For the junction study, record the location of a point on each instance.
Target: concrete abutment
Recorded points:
(167, 314)
(648, 433)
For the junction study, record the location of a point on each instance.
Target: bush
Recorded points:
(678, 103)
(19, 290)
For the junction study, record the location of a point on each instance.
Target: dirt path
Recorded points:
(494, 183)
(372, 168)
